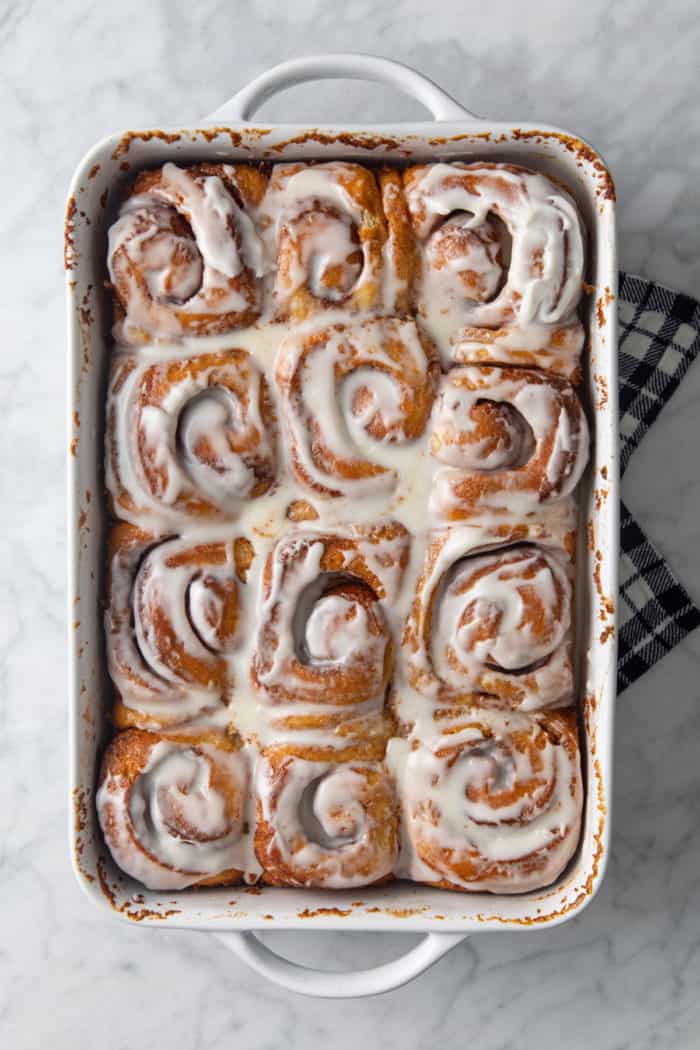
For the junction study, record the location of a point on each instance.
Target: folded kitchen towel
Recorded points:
(659, 338)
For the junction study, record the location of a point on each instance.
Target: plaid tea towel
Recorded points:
(659, 337)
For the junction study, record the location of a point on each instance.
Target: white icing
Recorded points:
(319, 385)
(211, 212)
(544, 226)
(315, 645)
(148, 673)
(321, 824)
(332, 631)
(475, 624)
(212, 415)
(545, 271)
(223, 244)
(152, 448)
(171, 828)
(461, 262)
(312, 213)
(556, 348)
(331, 246)
(336, 630)
(206, 608)
(493, 586)
(469, 776)
(535, 452)
(293, 186)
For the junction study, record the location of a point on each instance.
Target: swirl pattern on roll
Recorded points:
(496, 623)
(188, 438)
(172, 617)
(345, 391)
(185, 257)
(331, 825)
(493, 801)
(331, 244)
(502, 251)
(510, 439)
(323, 637)
(172, 810)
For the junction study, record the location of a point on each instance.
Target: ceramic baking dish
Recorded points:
(455, 134)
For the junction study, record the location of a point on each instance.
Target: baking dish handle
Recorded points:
(332, 67)
(338, 985)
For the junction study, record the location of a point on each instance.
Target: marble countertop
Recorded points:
(625, 974)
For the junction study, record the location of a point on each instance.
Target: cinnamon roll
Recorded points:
(326, 824)
(172, 811)
(333, 247)
(491, 621)
(502, 259)
(511, 440)
(348, 390)
(172, 617)
(493, 801)
(184, 256)
(323, 637)
(190, 438)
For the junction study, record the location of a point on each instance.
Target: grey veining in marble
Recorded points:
(623, 75)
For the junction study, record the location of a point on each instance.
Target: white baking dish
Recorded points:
(233, 913)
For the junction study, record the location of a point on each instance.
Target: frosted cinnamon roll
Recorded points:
(324, 226)
(323, 637)
(191, 438)
(173, 613)
(501, 249)
(347, 391)
(495, 621)
(510, 440)
(184, 255)
(326, 824)
(172, 811)
(493, 802)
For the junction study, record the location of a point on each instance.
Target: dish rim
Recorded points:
(327, 909)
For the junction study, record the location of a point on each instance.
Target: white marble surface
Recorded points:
(624, 76)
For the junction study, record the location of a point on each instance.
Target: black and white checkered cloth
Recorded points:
(659, 340)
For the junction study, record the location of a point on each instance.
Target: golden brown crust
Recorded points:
(450, 669)
(290, 849)
(245, 181)
(471, 222)
(469, 867)
(401, 241)
(372, 347)
(352, 280)
(352, 574)
(150, 462)
(139, 661)
(246, 185)
(506, 460)
(124, 762)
